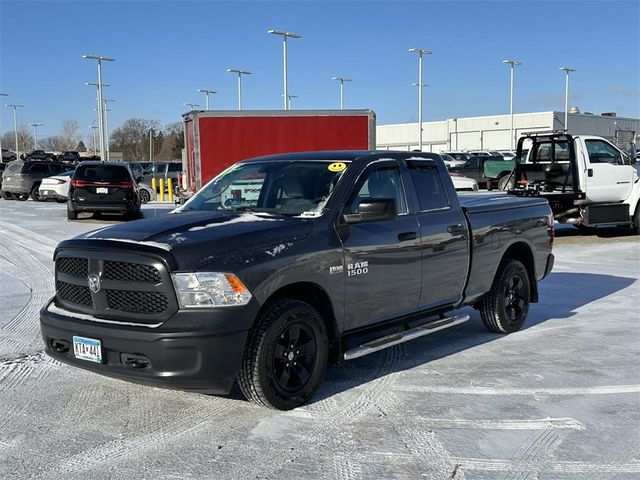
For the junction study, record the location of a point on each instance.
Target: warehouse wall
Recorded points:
(492, 132)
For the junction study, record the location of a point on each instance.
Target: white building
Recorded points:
(492, 132)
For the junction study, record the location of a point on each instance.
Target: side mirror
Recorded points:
(373, 210)
(139, 179)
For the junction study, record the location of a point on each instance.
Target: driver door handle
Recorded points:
(403, 237)
(456, 229)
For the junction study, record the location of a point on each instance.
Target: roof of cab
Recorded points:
(336, 155)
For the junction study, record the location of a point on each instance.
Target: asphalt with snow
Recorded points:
(559, 399)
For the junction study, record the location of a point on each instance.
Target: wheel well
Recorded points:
(318, 298)
(522, 252)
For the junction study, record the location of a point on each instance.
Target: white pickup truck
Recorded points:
(587, 180)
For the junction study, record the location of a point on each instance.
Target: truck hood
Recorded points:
(196, 238)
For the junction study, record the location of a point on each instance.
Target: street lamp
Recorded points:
(1, 157)
(35, 134)
(106, 124)
(239, 72)
(192, 106)
(93, 131)
(289, 98)
(284, 54)
(151, 130)
(420, 53)
(513, 63)
(15, 123)
(341, 80)
(100, 59)
(206, 96)
(566, 96)
(94, 84)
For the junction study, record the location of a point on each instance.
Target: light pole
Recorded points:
(1, 157)
(289, 98)
(93, 131)
(421, 52)
(206, 96)
(151, 130)
(239, 72)
(35, 134)
(341, 80)
(566, 96)
(284, 54)
(100, 59)
(513, 64)
(192, 106)
(106, 125)
(15, 124)
(93, 84)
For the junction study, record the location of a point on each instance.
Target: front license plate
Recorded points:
(87, 349)
(102, 190)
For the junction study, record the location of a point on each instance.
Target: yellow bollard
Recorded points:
(162, 189)
(170, 189)
(153, 184)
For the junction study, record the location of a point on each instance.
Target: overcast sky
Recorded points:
(165, 50)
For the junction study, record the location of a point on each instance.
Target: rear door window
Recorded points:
(39, 169)
(429, 187)
(15, 167)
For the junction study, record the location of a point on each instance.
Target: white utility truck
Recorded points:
(587, 180)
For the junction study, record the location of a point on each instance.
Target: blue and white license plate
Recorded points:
(87, 349)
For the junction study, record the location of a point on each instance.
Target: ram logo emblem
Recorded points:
(94, 282)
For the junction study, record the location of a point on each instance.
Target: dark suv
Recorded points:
(103, 187)
(21, 179)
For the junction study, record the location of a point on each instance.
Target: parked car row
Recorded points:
(46, 180)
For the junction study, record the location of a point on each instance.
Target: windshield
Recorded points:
(284, 188)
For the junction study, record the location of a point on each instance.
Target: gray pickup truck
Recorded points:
(283, 264)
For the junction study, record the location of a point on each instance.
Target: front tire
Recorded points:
(285, 357)
(503, 183)
(505, 307)
(636, 221)
(35, 193)
(145, 196)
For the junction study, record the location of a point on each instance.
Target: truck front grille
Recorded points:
(74, 293)
(129, 288)
(78, 267)
(130, 272)
(137, 302)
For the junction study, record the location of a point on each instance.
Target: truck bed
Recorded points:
(478, 202)
(495, 220)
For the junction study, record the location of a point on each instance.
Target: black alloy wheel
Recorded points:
(294, 358)
(505, 307)
(285, 356)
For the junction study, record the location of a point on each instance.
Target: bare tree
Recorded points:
(69, 134)
(173, 142)
(25, 139)
(132, 139)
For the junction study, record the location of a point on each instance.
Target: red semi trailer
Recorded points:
(216, 139)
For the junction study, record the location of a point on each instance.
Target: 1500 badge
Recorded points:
(358, 268)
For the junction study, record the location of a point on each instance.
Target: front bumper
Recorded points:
(205, 355)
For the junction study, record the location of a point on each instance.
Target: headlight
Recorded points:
(210, 289)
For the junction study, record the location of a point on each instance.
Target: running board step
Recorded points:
(401, 337)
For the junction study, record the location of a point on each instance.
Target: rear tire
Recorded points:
(503, 182)
(285, 357)
(4, 195)
(505, 307)
(71, 214)
(22, 197)
(35, 193)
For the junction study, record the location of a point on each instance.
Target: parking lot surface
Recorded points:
(559, 399)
